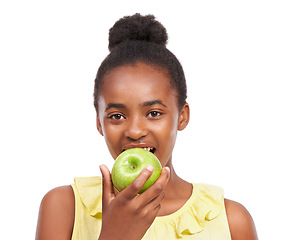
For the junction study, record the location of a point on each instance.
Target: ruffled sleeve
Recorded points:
(204, 205)
(90, 191)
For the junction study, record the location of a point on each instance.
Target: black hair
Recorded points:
(140, 38)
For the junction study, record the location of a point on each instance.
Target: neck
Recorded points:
(176, 186)
(177, 192)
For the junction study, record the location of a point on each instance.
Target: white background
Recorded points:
(235, 57)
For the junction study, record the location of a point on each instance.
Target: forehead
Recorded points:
(139, 81)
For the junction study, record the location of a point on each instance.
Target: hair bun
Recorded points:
(137, 27)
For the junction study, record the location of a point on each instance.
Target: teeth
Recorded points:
(148, 149)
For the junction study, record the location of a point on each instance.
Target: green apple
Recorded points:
(128, 166)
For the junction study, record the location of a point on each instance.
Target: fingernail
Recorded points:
(150, 168)
(167, 169)
(100, 167)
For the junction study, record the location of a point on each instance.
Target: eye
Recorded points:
(154, 114)
(116, 116)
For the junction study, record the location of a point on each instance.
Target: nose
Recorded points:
(136, 128)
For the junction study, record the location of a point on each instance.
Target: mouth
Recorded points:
(149, 149)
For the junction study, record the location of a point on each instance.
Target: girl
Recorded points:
(140, 100)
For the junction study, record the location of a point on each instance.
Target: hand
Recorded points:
(129, 214)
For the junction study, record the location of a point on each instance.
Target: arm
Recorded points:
(240, 221)
(56, 215)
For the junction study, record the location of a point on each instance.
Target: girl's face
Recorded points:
(138, 109)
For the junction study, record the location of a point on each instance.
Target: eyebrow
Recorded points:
(145, 104)
(154, 102)
(115, 105)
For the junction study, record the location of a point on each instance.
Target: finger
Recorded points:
(133, 189)
(157, 188)
(107, 185)
(155, 204)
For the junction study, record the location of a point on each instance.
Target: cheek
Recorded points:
(168, 133)
(112, 139)
(172, 127)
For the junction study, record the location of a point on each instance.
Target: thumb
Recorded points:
(107, 186)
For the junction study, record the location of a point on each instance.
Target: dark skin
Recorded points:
(152, 119)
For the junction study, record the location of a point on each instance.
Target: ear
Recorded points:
(99, 127)
(184, 117)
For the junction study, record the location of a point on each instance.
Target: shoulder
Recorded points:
(240, 221)
(56, 214)
(63, 194)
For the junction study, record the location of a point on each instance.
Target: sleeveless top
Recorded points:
(202, 217)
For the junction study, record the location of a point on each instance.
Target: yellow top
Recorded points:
(203, 216)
